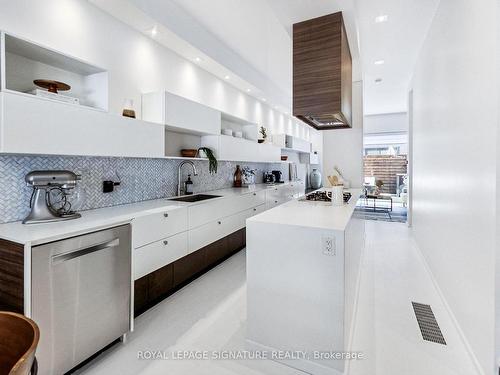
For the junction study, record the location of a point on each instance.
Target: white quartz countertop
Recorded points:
(311, 214)
(97, 219)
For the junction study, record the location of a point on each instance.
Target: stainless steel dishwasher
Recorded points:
(81, 296)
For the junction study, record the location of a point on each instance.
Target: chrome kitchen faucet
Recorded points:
(179, 170)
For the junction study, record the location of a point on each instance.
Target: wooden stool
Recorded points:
(18, 341)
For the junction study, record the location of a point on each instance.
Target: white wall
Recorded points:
(454, 156)
(382, 140)
(344, 147)
(497, 253)
(386, 123)
(136, 63)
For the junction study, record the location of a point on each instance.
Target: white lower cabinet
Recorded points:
(280, 194)
(256, 210)
(217, 229)
(297, 189)
(207, 212)
(151, 228)
(151, 257)
(277, 195)
(274, 198)
(164, 237)
(204, 235)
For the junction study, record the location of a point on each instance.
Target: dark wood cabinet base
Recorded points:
(11, 277)
(158, 285)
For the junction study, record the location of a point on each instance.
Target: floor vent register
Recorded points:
(427, 323)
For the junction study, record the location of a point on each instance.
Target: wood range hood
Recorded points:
(322, 73)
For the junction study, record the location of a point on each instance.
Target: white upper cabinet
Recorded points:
(309, 158)
(70, 122)
(31, 125)
(239, 149)
(299, 144)
(291, 143)
(180, 114)
(268, 152)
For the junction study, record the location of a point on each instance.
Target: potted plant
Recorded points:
(263, 133)
(212, 161)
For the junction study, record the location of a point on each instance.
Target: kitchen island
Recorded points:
(303, 261)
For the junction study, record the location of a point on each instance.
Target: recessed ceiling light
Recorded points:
(198, 59)
(381, 18)
(226, 77)
(378, 80)
(248, 90)
(264, 99)
(154, 31)
(379, 62)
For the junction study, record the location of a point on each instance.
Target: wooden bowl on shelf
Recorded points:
(284, 157)
(189, 152)
(52, 86)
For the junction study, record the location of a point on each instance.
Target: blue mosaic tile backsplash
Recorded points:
(141, 179)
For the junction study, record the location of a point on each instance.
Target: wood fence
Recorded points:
(385, 168)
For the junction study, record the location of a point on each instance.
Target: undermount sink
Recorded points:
(194, 198)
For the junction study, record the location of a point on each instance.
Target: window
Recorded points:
(388, 150)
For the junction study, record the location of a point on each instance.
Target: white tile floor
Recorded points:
(209, 314)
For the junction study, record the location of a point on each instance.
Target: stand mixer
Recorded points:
(50, 198)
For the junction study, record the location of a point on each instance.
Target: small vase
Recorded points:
(315, 179)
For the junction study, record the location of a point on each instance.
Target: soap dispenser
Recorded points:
(188, 186)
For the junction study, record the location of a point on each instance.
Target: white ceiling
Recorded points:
(397, 42)
(260, 30)
(251, 41)
(251, 29)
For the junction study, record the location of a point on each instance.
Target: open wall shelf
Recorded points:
(23, 61)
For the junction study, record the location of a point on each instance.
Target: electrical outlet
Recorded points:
(329, 246)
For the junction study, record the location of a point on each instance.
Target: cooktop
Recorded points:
(321, 196)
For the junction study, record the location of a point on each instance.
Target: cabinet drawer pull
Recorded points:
(219, 222)
(275, 201)
(165, 242)
(254, 194)
(255, 209)
(165, 214)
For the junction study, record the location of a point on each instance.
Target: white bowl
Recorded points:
(227, 131)
(238, 134)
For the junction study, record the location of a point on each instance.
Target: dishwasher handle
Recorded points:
(56, 259)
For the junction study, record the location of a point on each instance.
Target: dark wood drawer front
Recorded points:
(161, 282)
(141, 295)
(188, 266)
(157, 285)
(216, 251)
(11, 276)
